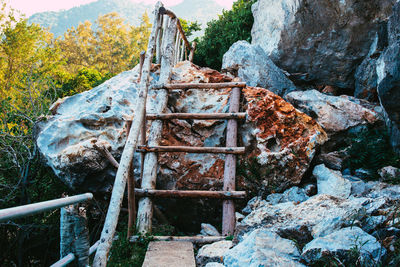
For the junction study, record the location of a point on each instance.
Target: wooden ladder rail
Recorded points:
(117, 195)
(145, 206)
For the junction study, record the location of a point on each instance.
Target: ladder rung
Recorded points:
(190, 193)
(198, 116)
(172, 86)
(193, 239)
(191, 149)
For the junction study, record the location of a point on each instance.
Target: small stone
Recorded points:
(389, 173)
(310, 190)
(331, 182)
(209, 230)
(253, 204)
(214, 264)
(213, 252)
(372, 222)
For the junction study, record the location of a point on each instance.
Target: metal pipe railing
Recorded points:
(71, 256)
(32, 209)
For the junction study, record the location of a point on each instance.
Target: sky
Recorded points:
(29, 7)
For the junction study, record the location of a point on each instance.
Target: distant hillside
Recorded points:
(58, 22)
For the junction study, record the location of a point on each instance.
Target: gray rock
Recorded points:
(209, 230)
(389, 173)
(253, 204)
(362, 173)
(254, 67)
(388, 71)
(293, 194)
(341, 243)
(263, 248)
(326, 227)
(333, 160)
(372, 222)
(333, 113)
(213, 252)
(331, 182)
(318, 40)
(310, 190)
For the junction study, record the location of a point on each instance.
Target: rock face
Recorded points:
(333, 113)
(254, 67)
(285, 139)
(275, 132)
(321, 41)
(388, 72)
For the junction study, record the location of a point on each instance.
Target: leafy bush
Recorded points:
(371, 150)
(220, 34)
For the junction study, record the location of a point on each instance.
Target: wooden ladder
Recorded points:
(231, 150)
(166, 36)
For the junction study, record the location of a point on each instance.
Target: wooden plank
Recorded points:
(191, 149)
(192, 239)
(183, 86)
(141, 62)
(191, 55)
(190, 194)
(117, 195)
(228, 206)
(169, 254)
(196, 116)
(145, 209)
(104, 151)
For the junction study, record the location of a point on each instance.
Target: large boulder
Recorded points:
(331, 182)
(318, 40)
(254, 67)
(263, 248)
(282, 139)
(333, 113)
(388, 71)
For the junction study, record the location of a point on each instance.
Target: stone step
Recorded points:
(169, 254)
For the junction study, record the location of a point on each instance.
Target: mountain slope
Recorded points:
(59, 22)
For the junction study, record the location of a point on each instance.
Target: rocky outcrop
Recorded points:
(213, 252)
(323, 227)
(333, 113)
(254, 67)
(388, 72)
(319, 40)
(331, 182)
(282, 139)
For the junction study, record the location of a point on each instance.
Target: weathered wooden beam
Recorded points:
(141, 62)
(117, 195)
(193, 239)
(192, 50)
(145, 209)
(159, 40)
(172, 15)
(190, 149)
(131, 190)
(228, 206)
(196, 116)
(183, 86)
(190, 194)
(104, 151)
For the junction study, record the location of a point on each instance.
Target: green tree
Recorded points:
(220, 34)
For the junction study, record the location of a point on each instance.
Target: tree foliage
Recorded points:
(220, 34)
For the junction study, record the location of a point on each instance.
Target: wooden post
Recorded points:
(159, 40)
(191, 55)
(145, 210)
(117, 195)
(176, 50)
(81, 234)
(141, 61)
(74, 234)
(131, 192)
(66, 231)
(228, 206)
(182, 51)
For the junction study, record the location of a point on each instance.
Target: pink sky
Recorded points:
(29, 7)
